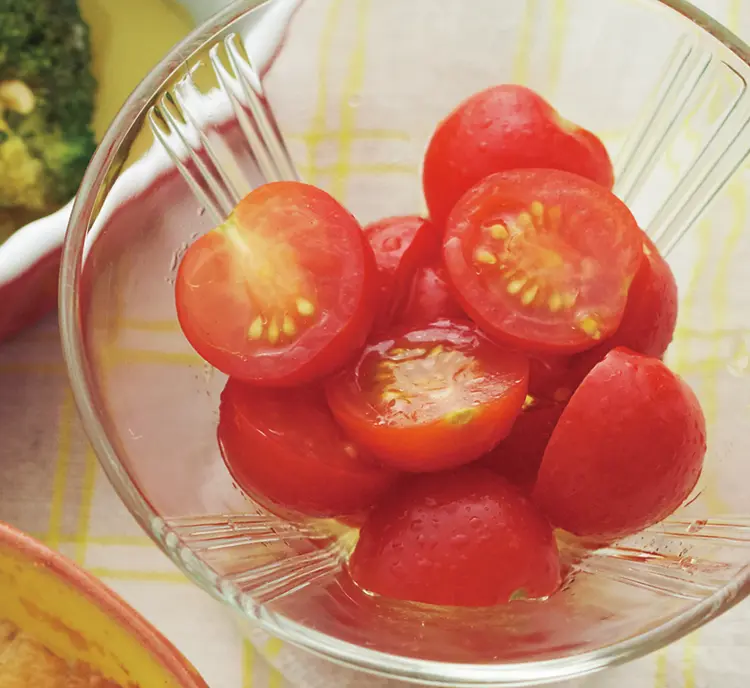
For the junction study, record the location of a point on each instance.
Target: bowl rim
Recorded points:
(98, 594)
(438, 673)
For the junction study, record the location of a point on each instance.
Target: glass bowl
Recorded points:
(356, 88)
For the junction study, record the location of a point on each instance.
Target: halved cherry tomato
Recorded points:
(459, 538)
(281, 293)
(431, 397)
(284, 448)
(519, 455)
(429, 298)
(400, 245)
(542, 260)
(626, 452)
(503, 128)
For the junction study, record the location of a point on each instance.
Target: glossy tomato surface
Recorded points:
(401, 245)
(430, 397)
(503, 128)
(429, 298)
(283, 448)
(626, 452)
(542, 260)
(282, 293)
(519, 456)
(460, 538)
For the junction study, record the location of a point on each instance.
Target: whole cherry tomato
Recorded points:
(283, 447)
(458, 538)
(503, 128)
(626, 452)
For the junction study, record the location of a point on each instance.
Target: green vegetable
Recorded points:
(46, 103)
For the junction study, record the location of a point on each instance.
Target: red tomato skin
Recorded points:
(519, 456)
(626, 452)
(319, 352)
(430, 298)
(503, 128)
(461, 538)
(283, 448)
(401, 245)
(437, 445)
(514, 328)
(551, 378)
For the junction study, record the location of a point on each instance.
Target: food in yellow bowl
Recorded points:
(62, 628)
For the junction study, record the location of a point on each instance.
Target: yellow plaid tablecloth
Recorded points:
(52, 486)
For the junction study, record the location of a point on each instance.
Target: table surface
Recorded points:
(52, 487)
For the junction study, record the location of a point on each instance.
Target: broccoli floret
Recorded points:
(46, 102)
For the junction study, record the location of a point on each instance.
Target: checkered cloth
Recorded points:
(51, 485)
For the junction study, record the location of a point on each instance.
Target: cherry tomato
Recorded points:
(542, 260)
(283, 447)
(519, 455)
(626, 452)
(504, 128)
(650, 316)
(282, 293)
(431, 397)
(430, 298)
(459, 538)
(401, 245)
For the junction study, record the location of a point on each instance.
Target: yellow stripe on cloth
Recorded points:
(62, 465)
(352, 89)
(248, 664)
(521, 66)
(318, 126)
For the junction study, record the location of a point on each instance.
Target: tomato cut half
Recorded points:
(626, 452)
(283, 448)
(458, 538)
(282, 292)
(431, 397)
(400, 245)
(542, 259)
(506, 127)
(429, 298)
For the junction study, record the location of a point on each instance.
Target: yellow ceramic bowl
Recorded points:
(79, 619)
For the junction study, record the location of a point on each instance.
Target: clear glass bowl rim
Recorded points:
(381, 663)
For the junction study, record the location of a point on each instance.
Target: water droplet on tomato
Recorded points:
(460, 540)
